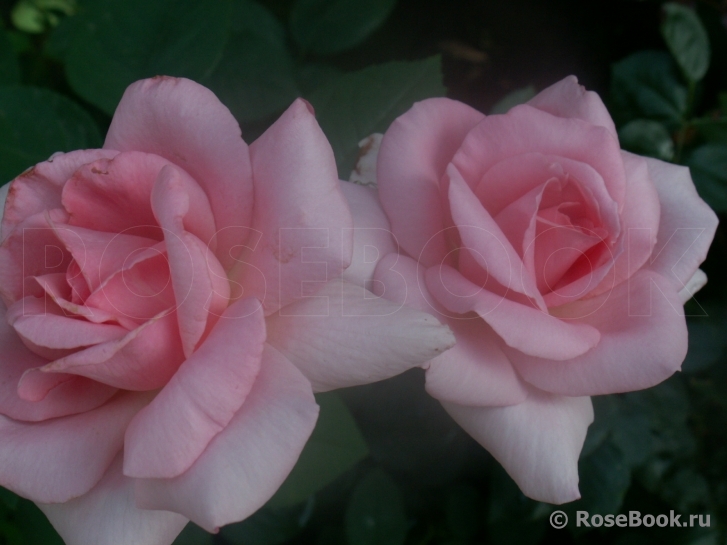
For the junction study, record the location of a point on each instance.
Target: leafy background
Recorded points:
(386, 465)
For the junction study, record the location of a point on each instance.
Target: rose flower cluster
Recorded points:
(173, 300)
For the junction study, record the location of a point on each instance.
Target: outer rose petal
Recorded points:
(413, 157)
(246, 463)
(537, 441)
(696, 283)
(107, 515)
(474, 371)
(71, 397)
(39, 188)
(186, 124)
(199, 401)
(372, 238)
(569, 99)
(687, 224)
(643, 341)
(301, 215)
(63, 458)
(345, 336)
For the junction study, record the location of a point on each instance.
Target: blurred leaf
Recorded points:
(311, 76)
(712, 130)
(708, 165)
(375, 513)
(464, 510)
(518, 96)
(604, 480)
(325, 27)
(687, 40)
(255, 77)
(647, 137)
(646, 85)
(27, 17)
(35, 123)
(9, 68)
(359, 103)
(707, 344)
(8, 498)
(334, 447)
(193, 535)
(512, 517)
(266, 527)
(112, 44)
(35, 526)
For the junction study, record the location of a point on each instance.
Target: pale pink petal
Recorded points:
(63, 458)
(372, 237)
(526, 129)
(643, 341)
(68, 397)
(545, 335)
(303, 224)
(686, 227)
(696, 283)
(474, 371)
(39, 188)
(201, 287)
(107, 515)
(246, 463)
(166, 438)
(346, 336)
(186, 124)
(412, 160)
(144, 359)
(538, 441)
(569, 99)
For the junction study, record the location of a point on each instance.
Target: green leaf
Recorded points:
(193, 535)
(352, 107)
(647, 137)
(708, 165)
(464, 509)
(375, 514)
(604, 480)
(266, 527)
(687, 40)
(9, 68)
(255, 76)
(335, 446)
(712, 130)
(325, 27)
(646, 85)
(707, 343)
(518, 96)
(8, 498)
(112, 44)
(35, 123)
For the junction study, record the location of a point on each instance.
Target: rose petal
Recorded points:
(199, 401)
(107, 515)
(346, 336)
(63, 458)
(643, 341)
(696, 283)
(301, 214)
(245, 464)
(538, 441)
(412, 160)
(186, 124)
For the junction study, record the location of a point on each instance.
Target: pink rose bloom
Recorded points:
(152, 290)
(560, 262)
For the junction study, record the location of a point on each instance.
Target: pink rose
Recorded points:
(556, 258)
(143, 383)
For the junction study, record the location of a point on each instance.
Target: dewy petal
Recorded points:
(166, 437)
(346, 336)
(686, 227)
(372, 238)
(301, 218)
(186, 124)
(69, 397)
(569, 99)
(107, 515)
(63, 458)
(200, 284)
(245, 464)
(538, 441)
(643, 341)
(412, 160)
(526, 129)
(39, 188)
(545, 335)
(474, 371)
